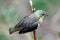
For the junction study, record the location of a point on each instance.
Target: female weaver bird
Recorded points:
(29, 23)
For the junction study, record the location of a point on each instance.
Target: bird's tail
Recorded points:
(12, 30)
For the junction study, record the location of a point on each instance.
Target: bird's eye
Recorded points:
(43, 14)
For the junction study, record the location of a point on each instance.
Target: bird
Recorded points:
(29, 23)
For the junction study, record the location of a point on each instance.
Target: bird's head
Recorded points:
(40, 14)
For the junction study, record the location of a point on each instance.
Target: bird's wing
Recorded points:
(29, 29)
(21, 22)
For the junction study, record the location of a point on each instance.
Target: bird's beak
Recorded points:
(46, 14)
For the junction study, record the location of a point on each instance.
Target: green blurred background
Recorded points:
(11, 11)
